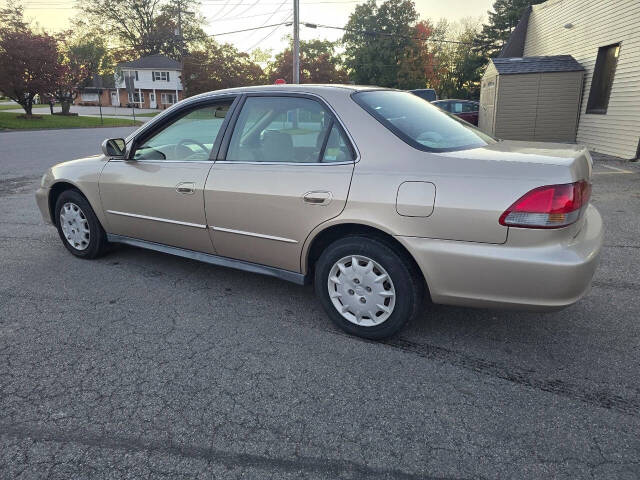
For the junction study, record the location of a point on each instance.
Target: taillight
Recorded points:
(551, 206)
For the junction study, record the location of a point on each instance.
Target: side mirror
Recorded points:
(114, 147)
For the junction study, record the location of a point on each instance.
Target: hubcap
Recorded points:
(361, 290)
(75, 226)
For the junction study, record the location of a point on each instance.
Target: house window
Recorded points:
(603, 79)
(168, 98)
(160, 76)
(89, 97)
(136, 98)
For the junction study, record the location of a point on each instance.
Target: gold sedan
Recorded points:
(375, 195)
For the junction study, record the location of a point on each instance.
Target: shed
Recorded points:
(531, 98)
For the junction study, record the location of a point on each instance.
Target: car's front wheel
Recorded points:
(368, 288)
(78, 226)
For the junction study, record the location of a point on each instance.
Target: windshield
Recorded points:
(419, 123)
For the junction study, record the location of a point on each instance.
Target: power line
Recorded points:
(247, 29)
(275, 12)
(385, 34)
(286, 20)
(238, 17)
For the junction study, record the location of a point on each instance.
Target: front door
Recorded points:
(114, 99)
(152, 100)
(157, 195)
(284, 168)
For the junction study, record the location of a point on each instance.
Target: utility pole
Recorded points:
(180, 37)
(181, 45)
(296, 41)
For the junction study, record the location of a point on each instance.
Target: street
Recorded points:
(144, 365)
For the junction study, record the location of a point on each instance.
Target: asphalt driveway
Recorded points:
(142, 365)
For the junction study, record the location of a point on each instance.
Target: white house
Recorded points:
(156, 80)
(604, 37)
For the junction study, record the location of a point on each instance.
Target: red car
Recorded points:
(465, 109)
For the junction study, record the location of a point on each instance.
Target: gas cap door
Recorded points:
(415, 199)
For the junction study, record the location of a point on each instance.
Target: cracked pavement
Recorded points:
(143, 365)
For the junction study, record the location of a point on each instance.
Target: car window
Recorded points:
(443, 105)
(282, 129)
(189, 138)
(468, 107)
(419, 123)
(457, 107)
(337, 148)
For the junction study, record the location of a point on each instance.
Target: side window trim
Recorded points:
(176, 115)
(226, 141)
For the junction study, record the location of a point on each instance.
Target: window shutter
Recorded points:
(153, 76)
(167, 76)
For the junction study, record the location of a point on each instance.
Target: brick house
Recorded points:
(97, 92)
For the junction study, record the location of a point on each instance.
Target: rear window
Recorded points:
(419, 123)
(428, 94)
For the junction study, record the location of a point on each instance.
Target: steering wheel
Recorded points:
(433, 137)
(189, 141)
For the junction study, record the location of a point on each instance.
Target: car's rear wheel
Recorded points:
(368, 288)
(78, 226)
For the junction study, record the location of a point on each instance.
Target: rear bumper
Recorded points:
(42, 199)
(541, 277)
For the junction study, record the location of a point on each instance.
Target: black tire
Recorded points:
(407, 281)
(97, 244)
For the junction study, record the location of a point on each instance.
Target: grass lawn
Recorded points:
(128, 114)
(11, 121)
(16, 106)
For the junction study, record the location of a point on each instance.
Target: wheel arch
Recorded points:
(325, 237)
(55, 191)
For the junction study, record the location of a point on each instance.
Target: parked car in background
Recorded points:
(428, 94)
(336, 185)
(465, 109)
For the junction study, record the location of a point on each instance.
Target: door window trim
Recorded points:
(334, 119)
(173, 115)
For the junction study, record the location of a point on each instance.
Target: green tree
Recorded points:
(377, 59)
(459, 67)
(218, 66)
(144, 27)
(502, 20)
(12, 19)
(80, 58)
(319, 63)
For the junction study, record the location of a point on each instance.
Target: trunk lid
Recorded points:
(575, 158)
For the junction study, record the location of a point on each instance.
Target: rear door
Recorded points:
(285, 167)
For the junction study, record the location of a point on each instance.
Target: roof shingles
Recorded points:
(152, 61)
(554, 63)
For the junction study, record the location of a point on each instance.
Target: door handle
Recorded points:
(186, 188)
(317, 198)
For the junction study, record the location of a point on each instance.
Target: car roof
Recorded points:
(290, 88)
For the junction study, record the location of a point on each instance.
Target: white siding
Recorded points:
(596, 23)
(145, 79)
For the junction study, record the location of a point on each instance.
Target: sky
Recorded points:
(229, 15)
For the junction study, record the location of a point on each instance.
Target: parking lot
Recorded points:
(143, 365)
